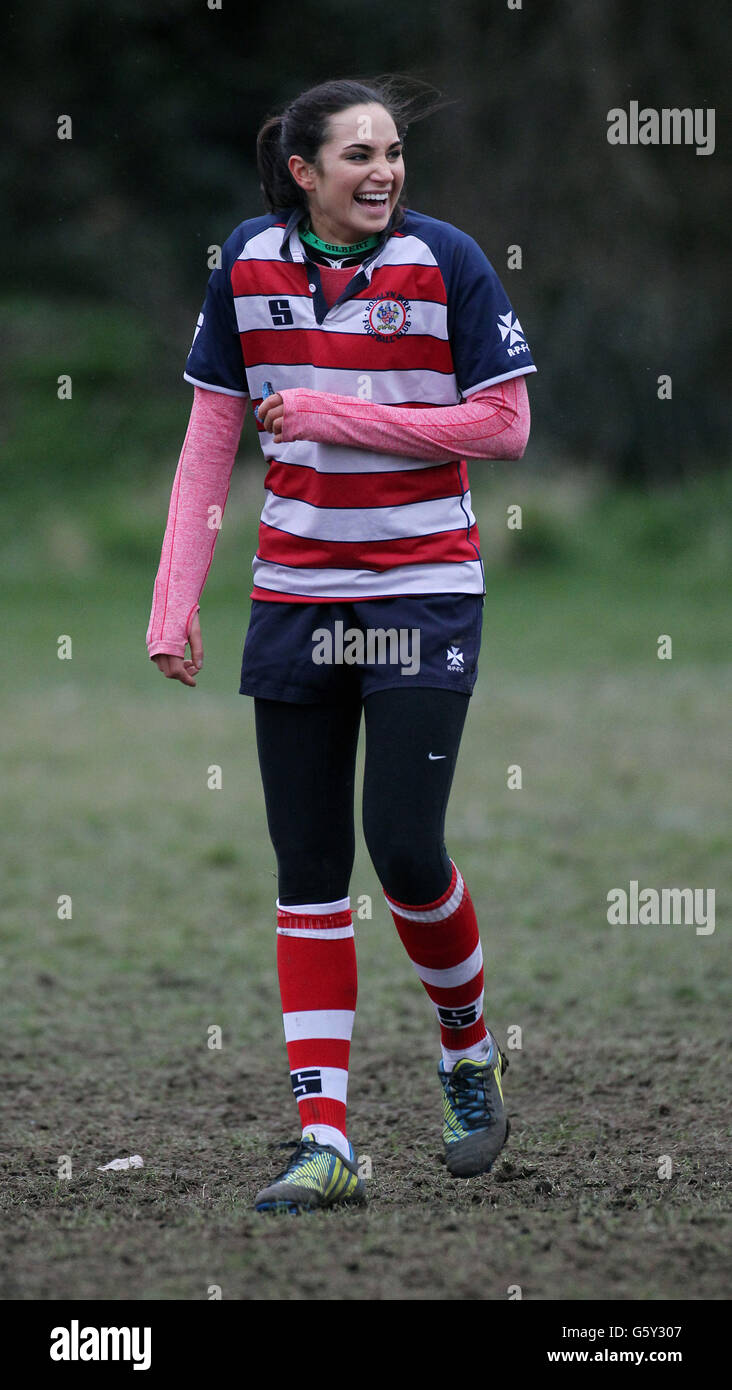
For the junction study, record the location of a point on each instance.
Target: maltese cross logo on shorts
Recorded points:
(509, 327)
(455, 659)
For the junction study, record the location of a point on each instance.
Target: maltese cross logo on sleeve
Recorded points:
(455, 659)
(509, 327)
(512, 334)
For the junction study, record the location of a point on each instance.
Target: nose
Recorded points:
(383, 171)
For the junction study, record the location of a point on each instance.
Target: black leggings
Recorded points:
(307, 757)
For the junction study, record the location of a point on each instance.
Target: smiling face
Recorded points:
(354, 187)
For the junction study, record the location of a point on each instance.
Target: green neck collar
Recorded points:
(333, 248)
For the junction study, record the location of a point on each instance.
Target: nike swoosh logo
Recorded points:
(434, 756)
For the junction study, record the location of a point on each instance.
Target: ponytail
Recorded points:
(279, 189)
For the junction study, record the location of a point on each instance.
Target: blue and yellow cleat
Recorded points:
(476, 1126)
(317, 1176)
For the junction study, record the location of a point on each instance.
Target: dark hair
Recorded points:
(302, 128)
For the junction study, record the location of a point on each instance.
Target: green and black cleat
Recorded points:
(317, 1176)
(476, 1126)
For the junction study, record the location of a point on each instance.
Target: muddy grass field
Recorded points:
(573, 1210)
(614, 1182)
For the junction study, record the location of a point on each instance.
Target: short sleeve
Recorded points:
(215, 360)
(487, 341)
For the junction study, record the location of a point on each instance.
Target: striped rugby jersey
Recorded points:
(424, 321)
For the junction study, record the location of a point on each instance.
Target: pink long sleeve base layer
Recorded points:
(493, 423)
(201, 482)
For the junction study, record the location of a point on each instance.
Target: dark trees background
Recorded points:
(625, 249)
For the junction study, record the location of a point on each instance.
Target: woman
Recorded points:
(393, 353)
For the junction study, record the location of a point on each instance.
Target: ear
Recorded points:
(302, 173)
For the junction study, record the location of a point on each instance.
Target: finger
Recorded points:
(265, 410)
(178, 671)
(196, 645)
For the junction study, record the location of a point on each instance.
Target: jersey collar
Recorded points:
(291, 247)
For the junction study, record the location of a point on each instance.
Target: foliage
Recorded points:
(623, 247)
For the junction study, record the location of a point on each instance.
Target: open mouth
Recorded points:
(371, 200)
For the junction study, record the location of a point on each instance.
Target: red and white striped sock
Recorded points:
(316, 966)
(443, 944)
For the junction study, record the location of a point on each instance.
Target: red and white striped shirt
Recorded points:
(423, 322)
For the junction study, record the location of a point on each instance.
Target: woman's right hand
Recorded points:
(177, 668)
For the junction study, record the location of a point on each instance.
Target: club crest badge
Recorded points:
(387, 317)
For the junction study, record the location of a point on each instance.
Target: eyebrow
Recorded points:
(361, 145)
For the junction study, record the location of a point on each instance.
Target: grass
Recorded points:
(625, 775)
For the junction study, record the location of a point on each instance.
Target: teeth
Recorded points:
(371, 197)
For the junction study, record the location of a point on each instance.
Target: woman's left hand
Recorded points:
(271, 413)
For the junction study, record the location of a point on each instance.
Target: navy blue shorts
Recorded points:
(324, 653)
